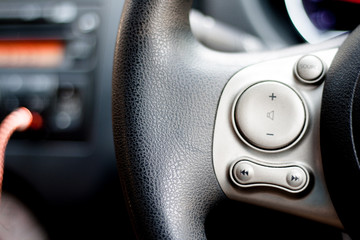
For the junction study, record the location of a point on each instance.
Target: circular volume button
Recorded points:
(270, 116)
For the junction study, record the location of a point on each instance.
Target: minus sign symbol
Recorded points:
(270, 134)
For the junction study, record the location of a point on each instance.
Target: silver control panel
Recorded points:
(266, 146)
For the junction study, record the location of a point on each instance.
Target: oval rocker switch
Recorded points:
(291, 178)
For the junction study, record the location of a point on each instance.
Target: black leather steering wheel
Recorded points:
(166, 91)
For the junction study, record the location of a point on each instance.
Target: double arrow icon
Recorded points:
(245, 173)
(294, 178)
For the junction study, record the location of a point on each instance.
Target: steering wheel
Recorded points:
(193, 127)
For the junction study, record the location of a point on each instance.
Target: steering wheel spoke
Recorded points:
(267, 137)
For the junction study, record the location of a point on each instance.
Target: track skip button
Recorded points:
(290, 178)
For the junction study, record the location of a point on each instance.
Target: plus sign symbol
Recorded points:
(272, 96)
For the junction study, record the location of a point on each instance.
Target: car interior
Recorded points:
(201, 119)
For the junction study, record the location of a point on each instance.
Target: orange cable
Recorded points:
(19, 120)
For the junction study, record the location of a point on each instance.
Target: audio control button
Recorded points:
(309, 69)
(290, 178)
(295, 177)
(243, 172)
(269, 115)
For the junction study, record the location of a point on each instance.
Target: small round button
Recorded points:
(269, 115)
(309, 69)
(295, 178)
(243, 172)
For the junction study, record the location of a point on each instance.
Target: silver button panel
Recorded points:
(285, 176)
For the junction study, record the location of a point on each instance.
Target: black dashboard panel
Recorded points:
(58, 64)
(48, 58)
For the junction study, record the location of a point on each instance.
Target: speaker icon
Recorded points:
(270, 115)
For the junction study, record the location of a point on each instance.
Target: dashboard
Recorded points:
(56, 59)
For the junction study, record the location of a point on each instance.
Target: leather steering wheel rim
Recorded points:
(340, 133)
(166, 88)
(170, 182)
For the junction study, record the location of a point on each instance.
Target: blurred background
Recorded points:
(56, 59)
